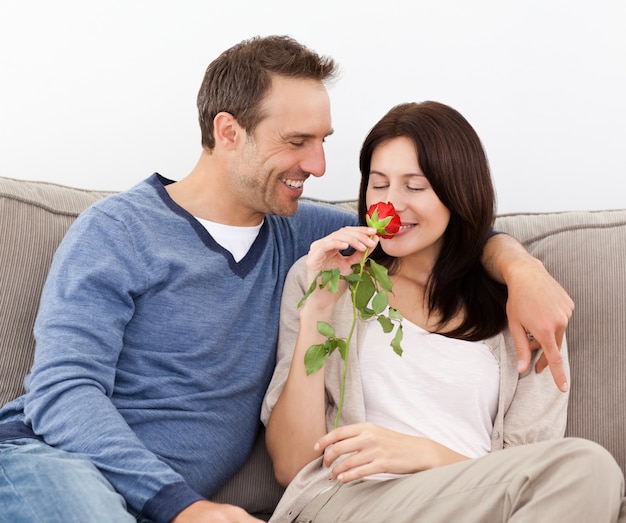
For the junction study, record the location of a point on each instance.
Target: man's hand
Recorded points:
(209, 512)
(537, 304)
(539, 310)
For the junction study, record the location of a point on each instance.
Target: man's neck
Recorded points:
(204, 193)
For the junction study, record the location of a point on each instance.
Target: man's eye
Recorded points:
(297, 144)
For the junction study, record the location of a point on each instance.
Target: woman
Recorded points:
(418, 433)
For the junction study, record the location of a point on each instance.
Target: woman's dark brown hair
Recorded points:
(451, 156)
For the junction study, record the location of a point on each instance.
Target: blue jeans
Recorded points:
(39, 483)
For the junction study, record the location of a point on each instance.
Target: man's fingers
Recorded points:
(558, 374)
(552, 358)
(541, 364)
(526, 343)
(522, 348)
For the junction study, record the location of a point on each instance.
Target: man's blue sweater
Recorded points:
(154, 347)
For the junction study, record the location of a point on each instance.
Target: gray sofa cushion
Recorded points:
(586, 253)
(34, 218)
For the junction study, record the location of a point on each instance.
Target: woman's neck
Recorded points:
(409, 296)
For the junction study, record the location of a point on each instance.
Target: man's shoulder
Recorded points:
(345, 206)
(341, 213)
(144, 194)
(310, 222)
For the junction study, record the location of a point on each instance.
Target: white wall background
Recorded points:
(99, 94)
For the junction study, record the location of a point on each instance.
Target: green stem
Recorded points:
(353, 291)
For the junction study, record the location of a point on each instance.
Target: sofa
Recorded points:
(584, 250)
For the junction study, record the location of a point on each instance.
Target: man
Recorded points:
(157, 326)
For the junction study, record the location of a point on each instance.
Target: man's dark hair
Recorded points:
(238, 80)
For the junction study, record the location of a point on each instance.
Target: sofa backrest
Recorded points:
(34, 217)
(584, 251)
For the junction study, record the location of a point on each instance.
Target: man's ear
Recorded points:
(228, 132)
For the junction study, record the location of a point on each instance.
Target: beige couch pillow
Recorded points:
(35, 217)
(586, 253)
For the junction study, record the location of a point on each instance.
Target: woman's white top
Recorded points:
(440, 388)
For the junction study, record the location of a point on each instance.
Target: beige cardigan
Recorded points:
(530, 409)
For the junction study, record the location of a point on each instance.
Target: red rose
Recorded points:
(369, 285)
(382, 217)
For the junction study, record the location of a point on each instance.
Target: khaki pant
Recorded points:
(569, 480)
